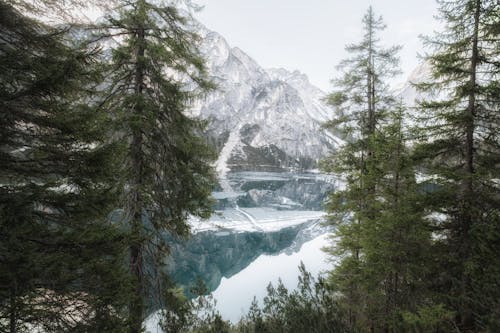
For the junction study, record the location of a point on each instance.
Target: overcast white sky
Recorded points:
(310, 35)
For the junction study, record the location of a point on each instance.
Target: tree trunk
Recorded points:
(467, 318)
(370, 84)
(471, 108)
(137, 303)
(137, 164)
(370, 127)
(13, 310)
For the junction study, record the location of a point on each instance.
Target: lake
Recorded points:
(235, 294)
(264, 225)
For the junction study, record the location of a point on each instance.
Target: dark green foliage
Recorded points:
(198, 315)
(460, 148)
(386, 281)
(206, 318)
(311, 308)
(396, 256)
(361, 98)
(384, 237)
(374, 213)
(422, 257)
(60, 260)
(167, 171)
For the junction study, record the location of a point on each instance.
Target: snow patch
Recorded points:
(221, 163)
(255, 219)
(286, 108)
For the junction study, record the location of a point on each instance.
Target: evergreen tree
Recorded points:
(460, 126)
(396, 243)
(361, 101)
(61, 267)
(60, 11)
(311, 307)
(167, 171)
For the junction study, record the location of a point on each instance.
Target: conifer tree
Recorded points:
(311, 307)
(396, 243)
(460, 148)
(60, 260)
(361, 101)
(167, 172)
(60, 11)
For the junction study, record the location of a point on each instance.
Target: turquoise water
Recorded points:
(235, 294)
(263, 228)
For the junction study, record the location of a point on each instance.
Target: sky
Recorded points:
(310, 35)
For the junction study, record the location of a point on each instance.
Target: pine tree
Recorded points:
(460, 144)
(60, 11)
(396, 243)
(167, 172)
(61, 262)
(362, 100)
(311, 307)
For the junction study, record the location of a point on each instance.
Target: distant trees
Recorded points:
(311, 307)
(60, 258)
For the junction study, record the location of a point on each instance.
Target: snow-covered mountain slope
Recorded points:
(410, 95)
(262, 118)
(269, 119)
(407, 91)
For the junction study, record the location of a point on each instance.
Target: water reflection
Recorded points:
(235, 294)
(265, 224)
(214, 256)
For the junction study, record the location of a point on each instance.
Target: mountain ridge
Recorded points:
(262, 119)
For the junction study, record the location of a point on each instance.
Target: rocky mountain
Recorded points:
(407, 91)
(262, 119)
(410, 95)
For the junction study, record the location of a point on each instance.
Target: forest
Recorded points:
(100, 159)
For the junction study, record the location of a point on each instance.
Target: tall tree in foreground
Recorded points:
(168, 169)
(61, 12)
(396, 243)
(60, 260)
(362, 101)
(460, 144)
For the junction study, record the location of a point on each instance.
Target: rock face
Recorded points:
(410, 95)
(407, 91)
(262, 119)
(269, 119)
